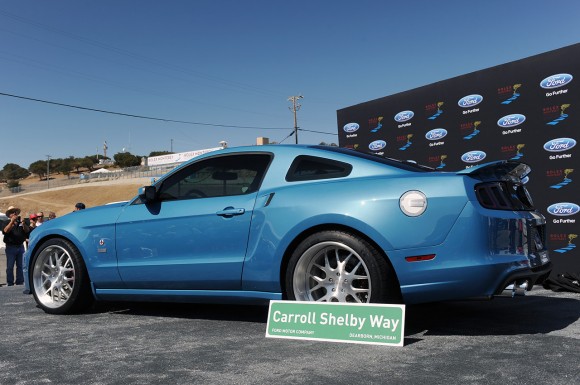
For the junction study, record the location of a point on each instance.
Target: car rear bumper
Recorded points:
(524, 279)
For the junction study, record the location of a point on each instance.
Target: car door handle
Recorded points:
(229, 212)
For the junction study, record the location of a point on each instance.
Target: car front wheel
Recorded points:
(334, 266)
(59, 281)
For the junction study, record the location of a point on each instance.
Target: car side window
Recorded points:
(313, 168)
(218, 176)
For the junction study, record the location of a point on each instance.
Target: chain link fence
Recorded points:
(153, 172)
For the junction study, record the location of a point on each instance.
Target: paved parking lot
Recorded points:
(532, 339)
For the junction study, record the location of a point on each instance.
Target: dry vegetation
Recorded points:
(62, 200)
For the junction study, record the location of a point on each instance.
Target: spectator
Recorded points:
(51, 215)
(33, 217)
(15, 234)
(39, 218)
(79, 206)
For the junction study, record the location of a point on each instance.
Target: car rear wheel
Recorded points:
(58, 278)
(334, 266)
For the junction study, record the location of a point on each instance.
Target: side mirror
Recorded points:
(147, 193)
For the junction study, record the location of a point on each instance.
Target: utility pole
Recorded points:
(295, 107)
(48, 171)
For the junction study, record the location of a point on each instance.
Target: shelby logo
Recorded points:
(563, 209)
(560, 144)
(351, 127)
(436, 134)
(470, 101)
(511, 120)
(377, 145)
(403, 116)
(556, 81)
(473, 156)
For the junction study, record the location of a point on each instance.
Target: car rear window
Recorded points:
(408, 165)
(313, 168)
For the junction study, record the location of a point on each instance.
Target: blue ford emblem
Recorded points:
(556, 81)
(511, 120)
(436, 134)
(564, 209)
(403, 116)
(351, 127)
(470, 101)
(377, 145)
(560, 144)
(473, 156)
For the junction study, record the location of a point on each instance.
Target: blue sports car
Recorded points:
(308, 223)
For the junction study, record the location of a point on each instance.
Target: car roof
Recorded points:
(335, 152)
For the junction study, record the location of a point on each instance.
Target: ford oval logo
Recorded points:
(473, 156)
(560, 144)
(564, 209)
(436, 134)
(511, 120)
(351, 127)
(377, 145)
(403, 116)
(556, 81)
(470, 101)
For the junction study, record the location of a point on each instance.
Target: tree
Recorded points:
(38, 168)
(76, 164)
(13, 171)
(88, 162)
(66, 166)
(126, 159)
(158, 153)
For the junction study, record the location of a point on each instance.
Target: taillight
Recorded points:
(503, 196)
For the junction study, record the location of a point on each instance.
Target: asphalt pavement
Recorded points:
(525, 340)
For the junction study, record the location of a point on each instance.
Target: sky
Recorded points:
(183, 75)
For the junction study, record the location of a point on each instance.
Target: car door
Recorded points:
(194, 234)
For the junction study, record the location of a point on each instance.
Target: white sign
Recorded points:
(178, 158)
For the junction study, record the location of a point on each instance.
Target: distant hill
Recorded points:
(62, 200)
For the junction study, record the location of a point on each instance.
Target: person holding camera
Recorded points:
(15, 233)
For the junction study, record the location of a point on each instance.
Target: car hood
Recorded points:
(504, 170)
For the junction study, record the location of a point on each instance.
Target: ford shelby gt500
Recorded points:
(309, 223)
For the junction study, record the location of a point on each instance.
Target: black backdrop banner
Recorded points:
(526, 110)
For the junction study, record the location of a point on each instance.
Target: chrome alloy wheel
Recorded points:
(331, 272)
(53, 276)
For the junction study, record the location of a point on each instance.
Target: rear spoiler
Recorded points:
(503, 170)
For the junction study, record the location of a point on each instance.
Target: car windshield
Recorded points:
(409, 165)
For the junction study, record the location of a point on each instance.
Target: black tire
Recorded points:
(335, 266)
(58, 278)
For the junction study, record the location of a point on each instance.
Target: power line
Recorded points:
(141, 116)
(318, 132)
(139, 57)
